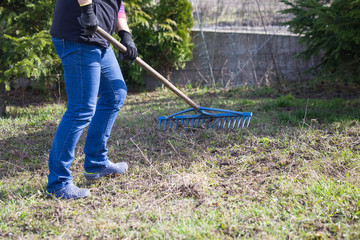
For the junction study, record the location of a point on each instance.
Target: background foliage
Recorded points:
(162, 35)
(331, 29)
(26, 47)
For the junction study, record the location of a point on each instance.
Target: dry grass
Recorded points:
(282, 178)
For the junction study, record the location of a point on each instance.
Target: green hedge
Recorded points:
(331, 30)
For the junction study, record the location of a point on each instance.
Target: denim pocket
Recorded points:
(59, 45)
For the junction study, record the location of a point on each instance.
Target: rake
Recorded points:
(202, 117)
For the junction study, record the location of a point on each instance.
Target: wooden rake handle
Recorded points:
(148, 68)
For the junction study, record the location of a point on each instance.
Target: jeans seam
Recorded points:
(82, 105)
(116, 102)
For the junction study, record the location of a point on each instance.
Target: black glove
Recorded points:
(88, 19)
(131, 50)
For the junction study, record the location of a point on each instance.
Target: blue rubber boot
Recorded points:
(112, 168)
(70, 191)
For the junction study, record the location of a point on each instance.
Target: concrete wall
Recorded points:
(242, 58)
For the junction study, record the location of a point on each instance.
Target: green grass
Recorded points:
(293, 174)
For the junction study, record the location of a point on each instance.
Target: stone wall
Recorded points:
(233, 59)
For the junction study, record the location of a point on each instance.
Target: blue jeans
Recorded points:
(95, 91)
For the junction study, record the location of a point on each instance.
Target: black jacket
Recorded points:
(65, 23)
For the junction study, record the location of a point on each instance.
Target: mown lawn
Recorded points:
(293, 174)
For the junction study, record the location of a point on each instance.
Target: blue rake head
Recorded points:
(205, 118)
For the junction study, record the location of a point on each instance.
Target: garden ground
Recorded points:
(293, 174)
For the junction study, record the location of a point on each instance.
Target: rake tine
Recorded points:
(243, 122)
(213, 123)
(160, 124)
(239, 121)
(219, 123)
(234, 122)
(229, 122)
(248, 121)
(208, 123)
(187, 123)
(171, 123)
(198, 121)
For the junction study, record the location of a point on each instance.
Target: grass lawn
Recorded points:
(293, 174)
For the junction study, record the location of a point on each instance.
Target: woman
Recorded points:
(95, 89)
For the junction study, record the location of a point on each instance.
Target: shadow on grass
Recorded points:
(27, 151)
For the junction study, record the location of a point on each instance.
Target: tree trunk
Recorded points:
(2, 99)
